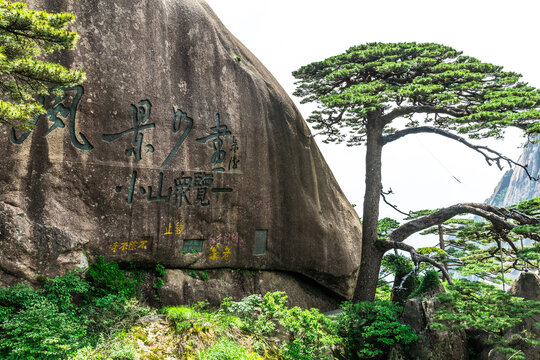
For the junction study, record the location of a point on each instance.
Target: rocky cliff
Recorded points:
(515, 185)
(180, 149)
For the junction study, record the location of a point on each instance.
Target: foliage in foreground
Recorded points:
(310, 333)
(26, 34)
(370, 329)
(95, 317)
(472, 305)
(67, 313)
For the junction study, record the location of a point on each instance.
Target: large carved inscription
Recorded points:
(186, 189)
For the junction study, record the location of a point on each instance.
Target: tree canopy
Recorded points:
(26, 35)
(377, 93)
(394, 81)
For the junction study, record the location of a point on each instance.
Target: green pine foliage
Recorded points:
(474, 305)
(25, 36)
(429, 282)
(387, 81)
(478, 248)
(405, 279)
(385, 226)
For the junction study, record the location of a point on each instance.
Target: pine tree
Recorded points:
(372, 94)
(25, 36)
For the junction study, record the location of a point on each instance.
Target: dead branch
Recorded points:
(392, 205)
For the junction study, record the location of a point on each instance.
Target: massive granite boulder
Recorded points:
(180, 149)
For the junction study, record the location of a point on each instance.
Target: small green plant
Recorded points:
(429, 281)
(159, 283)
(160, 269)
(226, 303)
(204, 276)
(312, 335)
(202, 304)
(123, 352)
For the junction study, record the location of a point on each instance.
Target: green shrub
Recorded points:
(244, 307)
(205, 276)
(68, 313)
(479, 306)
(160, 269)
(311, 332)
(107, 278)
(369, 329)
(123, 352)
(40, 331)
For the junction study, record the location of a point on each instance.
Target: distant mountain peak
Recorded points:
(515, 185)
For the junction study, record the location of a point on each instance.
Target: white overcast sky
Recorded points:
(286, 34)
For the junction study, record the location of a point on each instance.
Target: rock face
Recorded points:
(431, 344)
(527, 286)
(515, 185)
(180, 149)
(189, 287)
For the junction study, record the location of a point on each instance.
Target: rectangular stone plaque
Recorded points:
(193, 245)
(260, 242)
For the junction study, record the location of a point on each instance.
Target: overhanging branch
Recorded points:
(495, 215)
(491, 156)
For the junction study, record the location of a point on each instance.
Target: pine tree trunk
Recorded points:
(368, 275)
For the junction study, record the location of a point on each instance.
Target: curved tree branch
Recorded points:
(496, 215)
(491, 156)
(493, 214)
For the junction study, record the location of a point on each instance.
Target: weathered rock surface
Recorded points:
(185, 288)
(526, 286)
(180, 149)
(431, 344)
